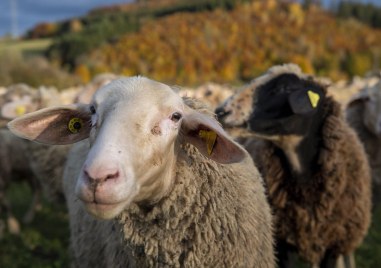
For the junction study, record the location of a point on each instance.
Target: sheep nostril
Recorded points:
(86, 175)
(112, 176)
(95, 178)
(221, 113)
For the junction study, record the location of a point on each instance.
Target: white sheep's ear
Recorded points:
(57, 125)
(210, 139)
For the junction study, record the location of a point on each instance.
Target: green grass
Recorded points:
(369, 254)
(44, 243)
(41, 244)
(25, 47)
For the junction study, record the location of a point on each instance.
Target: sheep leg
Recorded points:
(285, 254)
(349, 261)
(330, 260)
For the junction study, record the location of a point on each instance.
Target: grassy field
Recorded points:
(25, 47)
(44, 243)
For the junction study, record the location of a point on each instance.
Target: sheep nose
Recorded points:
(100, 175)
(221, 113)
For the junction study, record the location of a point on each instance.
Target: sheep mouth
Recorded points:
(102, 205)
(105, 210)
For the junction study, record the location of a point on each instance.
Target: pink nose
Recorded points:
(95, 176)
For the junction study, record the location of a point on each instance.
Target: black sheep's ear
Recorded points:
(304, 101)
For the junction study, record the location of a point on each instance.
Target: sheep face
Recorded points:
(285, 105)
(235, 111)
(280, 102)
(129, 128)
(135, 127)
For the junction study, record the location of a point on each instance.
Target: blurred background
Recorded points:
(66, 44)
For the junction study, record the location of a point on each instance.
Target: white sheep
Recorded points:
(363, 113)
(343, 90)
(17, 100)
(210, 93)
(162, 171)
(85, 95)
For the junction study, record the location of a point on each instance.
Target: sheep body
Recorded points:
(329, 210)
(363, 114)
(181, 206)
(210, 93)
(209, 212)
(333, 212)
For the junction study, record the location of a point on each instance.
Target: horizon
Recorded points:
(26, 14)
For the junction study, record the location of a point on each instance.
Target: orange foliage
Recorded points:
(83, 73)
(42, 30)
(229, 46)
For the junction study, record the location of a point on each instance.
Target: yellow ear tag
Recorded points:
(75, 125)
(314, 98)
(210, 138)
(20, 110)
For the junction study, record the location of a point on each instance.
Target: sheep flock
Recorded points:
(286, 166)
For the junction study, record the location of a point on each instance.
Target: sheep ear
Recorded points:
(210, 139)
(304, 101)
(58, 125)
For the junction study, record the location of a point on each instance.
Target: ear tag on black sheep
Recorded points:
(210, 138)
(303, 102)
(75, 125)
(314, 98)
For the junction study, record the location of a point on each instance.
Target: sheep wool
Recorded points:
(355, 115)
(209, 212)
(333, 209)
(212, 215)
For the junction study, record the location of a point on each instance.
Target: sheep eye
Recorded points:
(92, 109)
(175, 117)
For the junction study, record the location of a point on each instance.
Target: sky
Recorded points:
(31, 12)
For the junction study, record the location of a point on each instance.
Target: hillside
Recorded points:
(238, 44)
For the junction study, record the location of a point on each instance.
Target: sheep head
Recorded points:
(283, 106)
(135, 127)
(280, 102)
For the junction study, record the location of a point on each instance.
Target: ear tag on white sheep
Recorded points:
(75, 125)
(314, 98)
(20, 110)
(210, 138)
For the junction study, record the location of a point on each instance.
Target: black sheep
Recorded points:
(314, 167)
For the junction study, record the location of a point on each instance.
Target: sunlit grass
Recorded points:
(25, 47)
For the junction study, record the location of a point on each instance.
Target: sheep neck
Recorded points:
(301, 151)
